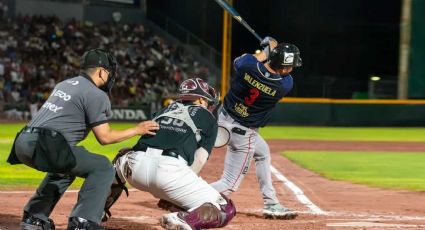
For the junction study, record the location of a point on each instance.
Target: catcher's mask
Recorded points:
(285, 54)
(194, 88)
(101, 58)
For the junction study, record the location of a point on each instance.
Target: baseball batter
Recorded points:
(167, 164)
(261, 81)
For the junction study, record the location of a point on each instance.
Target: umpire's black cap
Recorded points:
(98, 58)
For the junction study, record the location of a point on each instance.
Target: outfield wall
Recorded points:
(310, 111)
(417, 51)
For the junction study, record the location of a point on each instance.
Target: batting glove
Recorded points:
(265, 45)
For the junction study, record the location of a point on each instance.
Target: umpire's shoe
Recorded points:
(30, 222)
(78, 223)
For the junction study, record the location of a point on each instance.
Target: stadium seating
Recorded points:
(37, 52)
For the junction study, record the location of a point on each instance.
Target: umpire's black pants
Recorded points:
(96, 169)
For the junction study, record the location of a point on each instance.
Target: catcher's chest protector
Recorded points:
(182, 114)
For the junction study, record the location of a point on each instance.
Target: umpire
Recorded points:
(49, 143)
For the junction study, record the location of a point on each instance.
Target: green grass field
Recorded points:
(344, 134)
(377, 169)
(402, 168)
(21, 176)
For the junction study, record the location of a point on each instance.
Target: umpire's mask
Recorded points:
(101, 58)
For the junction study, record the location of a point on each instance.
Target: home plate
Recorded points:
(372, 224)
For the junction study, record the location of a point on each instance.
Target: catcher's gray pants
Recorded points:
(96, 169)
(242, 148)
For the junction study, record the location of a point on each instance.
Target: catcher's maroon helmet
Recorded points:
(194, 88)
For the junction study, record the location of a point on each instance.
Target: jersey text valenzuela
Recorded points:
(263, 88)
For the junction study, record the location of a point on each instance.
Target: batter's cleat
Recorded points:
(78, 223)
(30, 222)
(277, 211)
(172, 221)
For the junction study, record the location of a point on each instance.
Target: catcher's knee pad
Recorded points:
(209, 216)
(118, 184)
(121, 164)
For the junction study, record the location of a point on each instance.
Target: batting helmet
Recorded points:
(194, 88)
(285, 54)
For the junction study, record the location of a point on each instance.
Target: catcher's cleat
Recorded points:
(277, 211)
(172, 221)
(78, 223)
(30, 222)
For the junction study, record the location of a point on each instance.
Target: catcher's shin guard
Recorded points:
(116, 188)
(209, 216)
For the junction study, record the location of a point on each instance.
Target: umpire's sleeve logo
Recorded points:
(72, 82)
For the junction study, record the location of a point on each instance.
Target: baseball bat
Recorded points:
(237, 17)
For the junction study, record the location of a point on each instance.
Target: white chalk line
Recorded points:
(299, 194)
(136, 218)
(357, 224)
(376, 217)
(333, 216)
(315, 210)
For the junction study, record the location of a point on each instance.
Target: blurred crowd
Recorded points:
(38, 52)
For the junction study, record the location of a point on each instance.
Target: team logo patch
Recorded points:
(202, 84)
(188, 85)
(289, 58)
(191, 85)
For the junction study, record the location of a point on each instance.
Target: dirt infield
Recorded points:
(344, 205)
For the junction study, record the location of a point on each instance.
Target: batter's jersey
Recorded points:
(73, 108)
(178, 137)
(254, 92)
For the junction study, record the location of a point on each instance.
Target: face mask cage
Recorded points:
(214, 100)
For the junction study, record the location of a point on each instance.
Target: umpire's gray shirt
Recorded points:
(73, 108)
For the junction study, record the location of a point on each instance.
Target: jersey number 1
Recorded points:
(253, 94)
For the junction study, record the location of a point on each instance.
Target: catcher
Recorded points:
(167, 164)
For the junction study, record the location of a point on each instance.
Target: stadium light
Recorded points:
(375, 78)
(258, 51)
